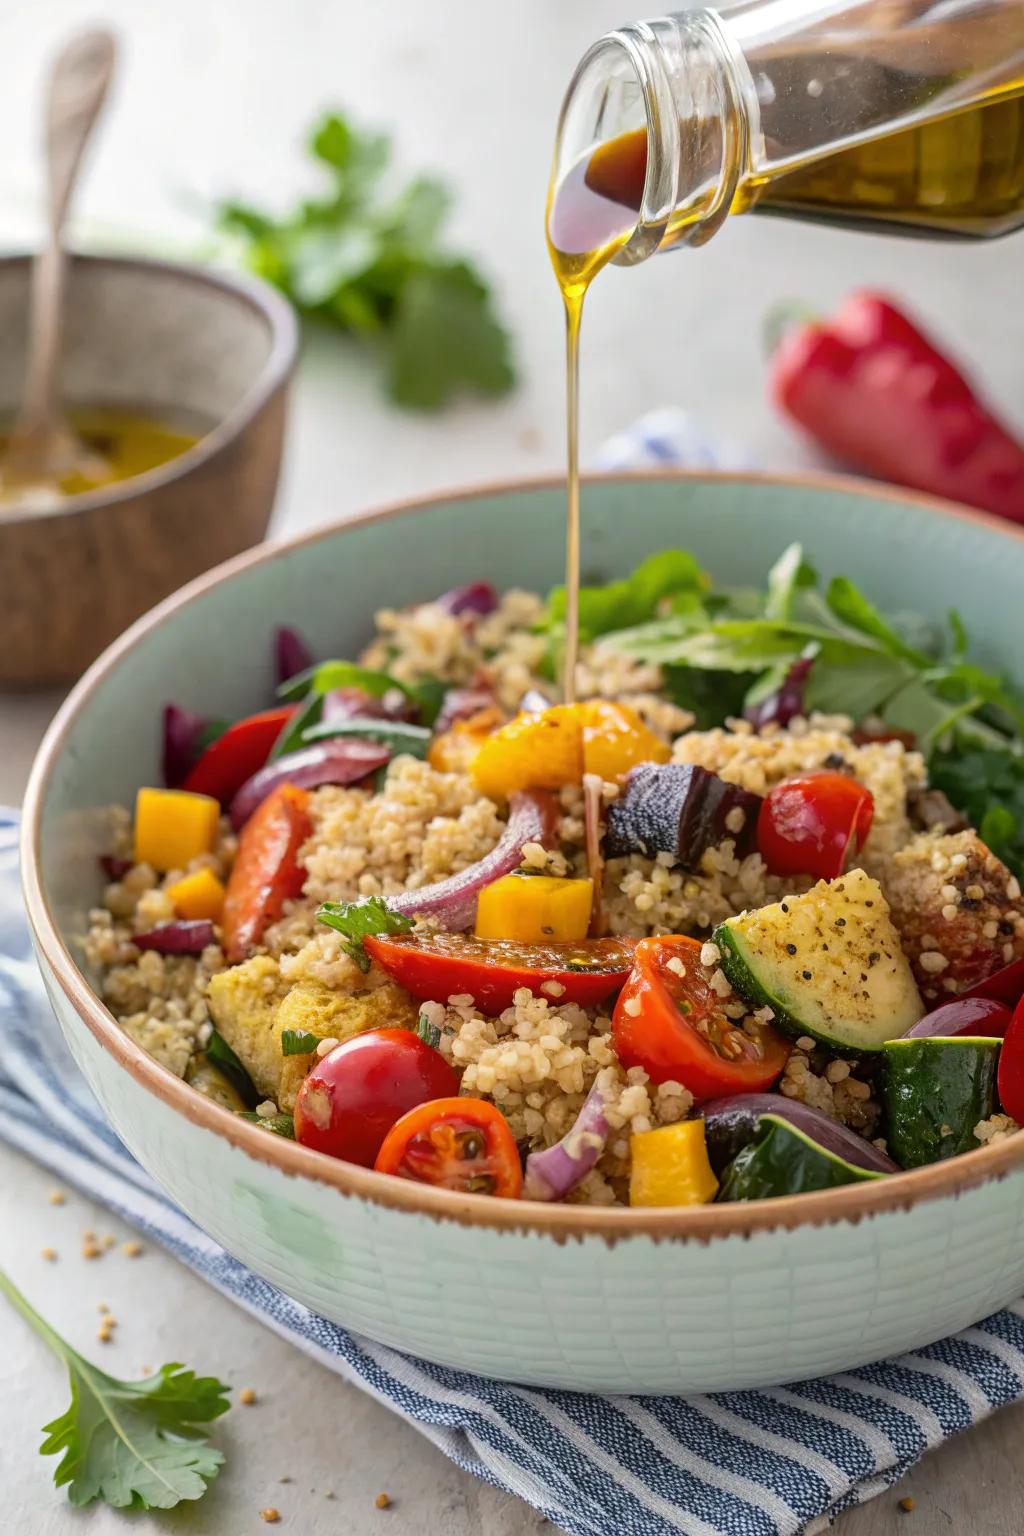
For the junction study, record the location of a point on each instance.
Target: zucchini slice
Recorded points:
(784, 1161)
(828, 963)
(935, 1089)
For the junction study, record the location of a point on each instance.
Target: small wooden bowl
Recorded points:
(179, 343)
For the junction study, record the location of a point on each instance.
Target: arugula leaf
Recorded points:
(357, 920)
(326, 676)
(987, 785)
(224, 1059)
(136, 1445)
(673, 573)
(369, 261)
(298, 1042)
(281, 1124)
(293, 736)
(848, 603)
(789, 573)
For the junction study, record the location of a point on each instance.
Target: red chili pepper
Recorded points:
(238, 754)
(877, 395)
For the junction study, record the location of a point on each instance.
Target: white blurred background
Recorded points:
(214, 98)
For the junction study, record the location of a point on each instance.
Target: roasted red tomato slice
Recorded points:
(1010, 1072)
(437, 966)
(814, 824)
(460, 1144)
(238, 754)
(669, 1020)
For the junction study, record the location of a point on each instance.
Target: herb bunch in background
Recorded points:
(369, 260)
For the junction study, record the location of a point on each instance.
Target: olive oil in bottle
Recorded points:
(906, 114)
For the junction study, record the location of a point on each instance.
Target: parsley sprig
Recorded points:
(369, 261)
(357, 920)
(134, 1444)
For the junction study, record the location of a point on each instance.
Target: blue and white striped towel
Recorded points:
(758, 1463)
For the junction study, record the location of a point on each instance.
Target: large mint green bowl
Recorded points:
(621, 1301)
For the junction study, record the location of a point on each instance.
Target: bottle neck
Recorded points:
(677, 93)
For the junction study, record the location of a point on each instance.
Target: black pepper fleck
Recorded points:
(790, 949)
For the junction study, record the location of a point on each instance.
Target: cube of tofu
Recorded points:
(244, 1002)
(958, 909)
(328, 1014)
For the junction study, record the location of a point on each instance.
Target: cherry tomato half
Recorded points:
(266, 872)
(437, 966)
(814, 824)
(238, 754)
(1010, 1072)
(460, 1144)
(353, 1096)
(669, 1020)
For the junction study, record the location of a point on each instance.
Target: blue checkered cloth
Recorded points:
(759, 1463)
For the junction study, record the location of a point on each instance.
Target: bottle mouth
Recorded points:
(651, 142)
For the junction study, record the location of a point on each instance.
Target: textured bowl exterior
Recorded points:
(669, 1302)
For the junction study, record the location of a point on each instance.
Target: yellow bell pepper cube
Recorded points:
(198, 896)
(542, 751)
(615, 740)
(173, 827)
(670, 1166)
(535, 909)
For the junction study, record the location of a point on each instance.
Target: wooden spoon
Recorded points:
(42, 449)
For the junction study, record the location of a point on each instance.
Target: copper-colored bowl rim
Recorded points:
(274, 372)
(851, 1203)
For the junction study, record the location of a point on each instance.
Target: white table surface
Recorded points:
(214, 97)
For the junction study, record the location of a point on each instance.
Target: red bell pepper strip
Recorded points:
(1004, 986)
(266, 872)
(1010, 1072)
(877, 395)
(238, 754)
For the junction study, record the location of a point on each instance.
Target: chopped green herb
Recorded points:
(298, 1042)
(428, 1033)
(223, 1057)
(280, 1125)
(134, 1444)
(326, 676)
(369, 261)
(357, 920)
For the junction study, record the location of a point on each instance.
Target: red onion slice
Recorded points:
(533, 818)
(477, 598)
(341, 760)
(180, 937)
(113, 867)
(357, 704)
(983, 1016)
(461, 704)
(1005, 985)
(556, 1171)
(185, 734)
(732, 1122)
(782, 706)
(291, 654)
(533, 702)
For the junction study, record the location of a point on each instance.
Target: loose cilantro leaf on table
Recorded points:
(357, 920)
(134, 1444)
(368, 260)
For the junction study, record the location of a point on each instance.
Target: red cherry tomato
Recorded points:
(238, 754)
(353, 1096)
(814, 824)
(672, 1023)
(460, 1144)
(1010, 1072)
(437, 966)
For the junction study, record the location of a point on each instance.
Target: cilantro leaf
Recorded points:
(617, 605)
(428, 1033)
(369, 261)
(987, 785)
(357, 920)
(298, 1042)
(136, 1445)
